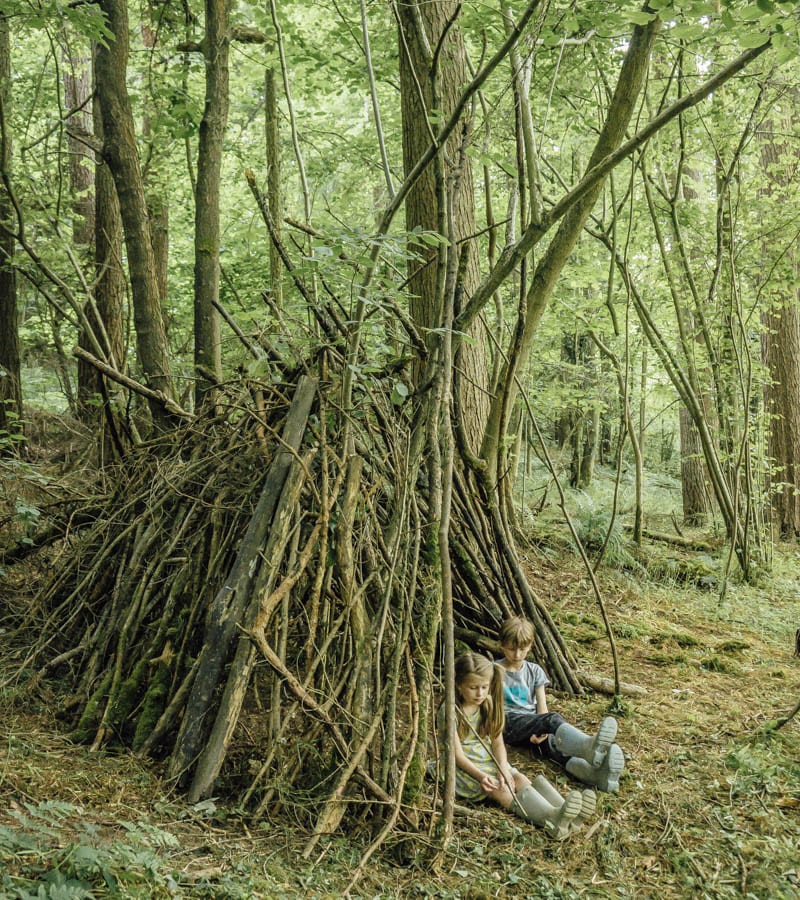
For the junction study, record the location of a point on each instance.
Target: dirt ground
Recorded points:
(709, 804)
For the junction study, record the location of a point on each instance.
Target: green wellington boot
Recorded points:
(571, 741)
(604, 777)
(588, 800)
(555, 818)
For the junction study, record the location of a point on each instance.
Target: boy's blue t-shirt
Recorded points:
(519, 688)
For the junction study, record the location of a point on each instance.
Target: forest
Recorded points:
(331, 336)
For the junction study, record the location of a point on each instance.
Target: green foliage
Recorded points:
(53, 853)
(596, 528)
(714, 663)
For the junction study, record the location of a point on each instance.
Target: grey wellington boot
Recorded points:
(588, 800)
(572, 741)
(604, 777)
(588, 807)
(555, 819)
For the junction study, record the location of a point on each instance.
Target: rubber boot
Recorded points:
(556, 820)
(604, 777)
(572, 741)
(588, 807)
(588, 800)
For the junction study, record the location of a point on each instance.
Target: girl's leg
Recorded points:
(549, 792)
(558, 820)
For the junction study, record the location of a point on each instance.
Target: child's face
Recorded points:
(474, 689)
(515, 656)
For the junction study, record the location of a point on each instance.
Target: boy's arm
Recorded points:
(541, 700)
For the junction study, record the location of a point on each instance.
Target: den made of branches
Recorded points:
(258, 598)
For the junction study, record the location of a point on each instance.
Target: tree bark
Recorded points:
(105, 313)
(693, 473)
(207, 350)
(121, 154)
(272, 147)
(10, 381)
(781, 341)
(428, 87)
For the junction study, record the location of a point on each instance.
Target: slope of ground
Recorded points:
(709, 804)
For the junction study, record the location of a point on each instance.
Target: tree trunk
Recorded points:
(10, 382)
(77, 94)
(154, 176)
(693, 473)
(424, 92)
(105, 314)
(548, 271)
(207, 350)
(781, 342)
(121, 154)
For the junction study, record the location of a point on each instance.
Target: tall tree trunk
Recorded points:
(154, 178)
(105, 314)
(121, 154)
(77, 95)
(424, 92)
(694, 483)
(10, 382)
(626, 95)
(781, 321)
(207, 350)
(693, 473)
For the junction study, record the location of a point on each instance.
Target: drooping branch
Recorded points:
(168, 403)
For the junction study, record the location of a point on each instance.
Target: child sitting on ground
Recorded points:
(597, 760)
(482, 767)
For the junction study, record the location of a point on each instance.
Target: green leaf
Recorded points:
(687, 32)
(639, 18)
(753, 39)
(785, 54)
(399, 393)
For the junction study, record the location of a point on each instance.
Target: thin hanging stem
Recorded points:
(373, 92)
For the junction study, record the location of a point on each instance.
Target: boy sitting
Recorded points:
(593, 760)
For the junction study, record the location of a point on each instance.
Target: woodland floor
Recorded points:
(709, 806)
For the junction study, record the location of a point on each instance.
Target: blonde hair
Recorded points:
(516, 632)
(492, 717)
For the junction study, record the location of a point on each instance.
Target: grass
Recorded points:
(709, 805)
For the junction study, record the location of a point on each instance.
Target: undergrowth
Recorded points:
(709, 804)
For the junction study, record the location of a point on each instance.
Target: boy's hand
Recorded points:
(539, 738)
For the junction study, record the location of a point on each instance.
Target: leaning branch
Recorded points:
(535, 232)
(157, 396)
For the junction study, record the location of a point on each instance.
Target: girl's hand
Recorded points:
(508, 777)
(489, 784)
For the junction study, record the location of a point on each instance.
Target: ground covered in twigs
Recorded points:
(709, 805)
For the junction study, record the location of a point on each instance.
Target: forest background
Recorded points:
(338, 324)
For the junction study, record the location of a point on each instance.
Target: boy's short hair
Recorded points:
(516, 632)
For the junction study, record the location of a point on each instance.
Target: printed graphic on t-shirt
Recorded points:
(515, 694)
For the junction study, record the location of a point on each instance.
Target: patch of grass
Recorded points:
(714, 663)
(666, 659)
(732, 646)
(627, 630)
(586, 636)
(686, 640)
